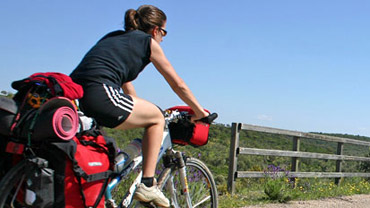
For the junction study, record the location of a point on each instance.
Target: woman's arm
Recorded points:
(128, 88)
(162, 64)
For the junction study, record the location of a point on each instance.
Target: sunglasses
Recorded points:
(163, 31)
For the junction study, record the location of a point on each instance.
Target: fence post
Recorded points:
(295, 160)
(338, 167)
(233, 158)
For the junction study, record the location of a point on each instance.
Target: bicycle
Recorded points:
(186, 181)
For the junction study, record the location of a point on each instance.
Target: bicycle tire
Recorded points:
(9, 185)
(202, 187)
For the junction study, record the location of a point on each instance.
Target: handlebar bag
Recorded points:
(184, 132)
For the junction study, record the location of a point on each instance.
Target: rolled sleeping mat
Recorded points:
(8, 110)
(57, 120)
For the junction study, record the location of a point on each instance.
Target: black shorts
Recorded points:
(107, 105)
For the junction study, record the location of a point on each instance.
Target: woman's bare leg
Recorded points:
(147, 115)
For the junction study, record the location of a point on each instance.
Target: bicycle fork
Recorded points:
(183, 178)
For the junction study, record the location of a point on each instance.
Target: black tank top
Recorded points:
(115, 59)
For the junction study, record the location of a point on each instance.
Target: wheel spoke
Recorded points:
(202, 201)
(16, 191)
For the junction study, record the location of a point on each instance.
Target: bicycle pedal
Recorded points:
(148, 204)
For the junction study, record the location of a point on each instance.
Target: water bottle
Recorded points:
(125, 157)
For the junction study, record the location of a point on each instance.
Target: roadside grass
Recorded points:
(252, 191)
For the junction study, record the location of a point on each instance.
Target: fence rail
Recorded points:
(295, 154)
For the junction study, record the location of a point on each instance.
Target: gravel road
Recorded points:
(356, 201)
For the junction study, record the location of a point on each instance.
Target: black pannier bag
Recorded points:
(8, 110)
(39, 184)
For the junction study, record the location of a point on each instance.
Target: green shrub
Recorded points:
(278, 186)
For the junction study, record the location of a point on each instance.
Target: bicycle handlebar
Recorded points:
(174, 116)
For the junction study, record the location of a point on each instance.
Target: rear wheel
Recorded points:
(202, 187)
(11, 186)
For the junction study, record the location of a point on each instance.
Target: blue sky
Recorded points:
(297, 65)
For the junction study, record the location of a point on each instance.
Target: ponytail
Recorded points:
(144, 18)
(131, 20)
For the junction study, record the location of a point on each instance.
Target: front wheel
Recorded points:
(201, 186)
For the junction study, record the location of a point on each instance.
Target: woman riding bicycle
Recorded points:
(112, 64)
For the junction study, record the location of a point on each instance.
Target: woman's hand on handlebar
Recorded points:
(199, 115)
(208, 118)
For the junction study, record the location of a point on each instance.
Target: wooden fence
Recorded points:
(295, 154)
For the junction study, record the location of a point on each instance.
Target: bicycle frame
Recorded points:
(127, 199)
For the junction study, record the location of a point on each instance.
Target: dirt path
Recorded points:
(356, 201)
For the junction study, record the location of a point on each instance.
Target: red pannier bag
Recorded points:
(82, 167)
(187, 133)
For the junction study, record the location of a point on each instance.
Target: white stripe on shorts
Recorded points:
(118, 100)
(126, 100)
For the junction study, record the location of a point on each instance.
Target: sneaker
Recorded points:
(151, 194)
